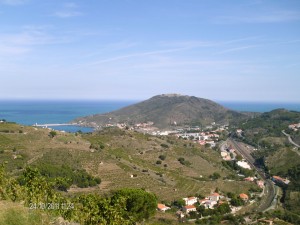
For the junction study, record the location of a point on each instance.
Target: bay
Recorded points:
(54, 112)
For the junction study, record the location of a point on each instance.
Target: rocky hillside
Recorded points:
(166, 110)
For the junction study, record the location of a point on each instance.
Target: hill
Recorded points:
(275, 153)
(120, 158)
(113, 155)
(165, 111)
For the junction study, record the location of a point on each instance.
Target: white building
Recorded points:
(190, 200)
(214, 197)
(189, 208)
(244, 165)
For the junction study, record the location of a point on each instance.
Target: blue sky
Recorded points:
(130, 49)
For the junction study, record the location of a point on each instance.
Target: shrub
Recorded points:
(140, 204)
(215, 176)
(52, 134)
(164, 145)
(184, 162)
(162, 157)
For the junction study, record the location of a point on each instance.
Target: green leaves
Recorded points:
(93, 210)
(125, 207)
(139, 203)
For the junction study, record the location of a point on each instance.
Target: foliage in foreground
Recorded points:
(126, 206)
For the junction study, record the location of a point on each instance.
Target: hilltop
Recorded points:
(165, 111)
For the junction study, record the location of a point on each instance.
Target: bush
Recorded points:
(140, 204)
(52, 134)
(164, 145)
(184, 162)
(65, 176)
(215, 176)
(236, 202)
(162, 157)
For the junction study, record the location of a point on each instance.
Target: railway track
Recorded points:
(269, 190)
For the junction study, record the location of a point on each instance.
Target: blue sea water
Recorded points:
(54, 112)
(49, 112)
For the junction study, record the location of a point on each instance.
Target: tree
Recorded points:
(223, 208)
(94, 210)
(52, 134)
(236, 201)
(139, 203)
(239, 157)
(179, 203)
(215, 176)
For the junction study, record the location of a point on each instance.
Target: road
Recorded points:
(290, 139)
(269, 190)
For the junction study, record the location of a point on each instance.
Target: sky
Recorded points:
(131, 49)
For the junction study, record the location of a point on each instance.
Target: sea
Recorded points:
(32, 112)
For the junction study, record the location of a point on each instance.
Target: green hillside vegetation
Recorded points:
(138, 154)
(67, 175)
(265, 132)
(269, 124)
(44, 201)
(100, 163)
(275, 154)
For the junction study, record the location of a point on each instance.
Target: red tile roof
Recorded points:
(215, 194)
(189, 207)
(161, 206)
(244, 196)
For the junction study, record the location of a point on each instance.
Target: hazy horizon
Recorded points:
(138, 100)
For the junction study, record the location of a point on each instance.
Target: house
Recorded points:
(294, 126)
(244, 197)
(224, 154)
(189, 208)
(214, 197)
(279, 180)
(209, 204)
(202, 142)
(202, 201)
(249, 179)
(243, 164)
(162, 207)
(239, 132)
(190, 200)
(260, 183)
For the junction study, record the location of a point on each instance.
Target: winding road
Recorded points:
(292, 142)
